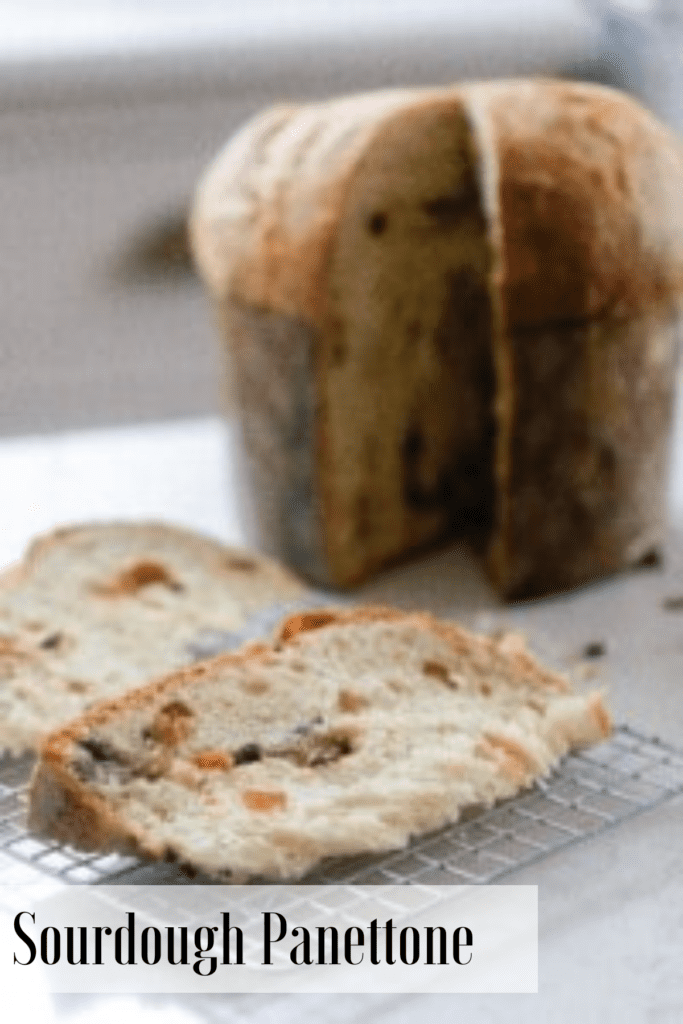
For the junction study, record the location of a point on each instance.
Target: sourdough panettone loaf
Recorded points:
(355, 731)
(452, 310)
(94, 610)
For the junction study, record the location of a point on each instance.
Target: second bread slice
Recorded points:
(357, 730)
(94, 610)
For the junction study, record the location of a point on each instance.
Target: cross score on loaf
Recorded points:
(452, 311)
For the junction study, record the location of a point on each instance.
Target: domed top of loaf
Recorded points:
(584, 192)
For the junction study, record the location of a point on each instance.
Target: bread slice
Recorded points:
(452, 310)
(94, 610)
(355, 731)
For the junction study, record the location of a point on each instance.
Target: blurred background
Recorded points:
(110, 109)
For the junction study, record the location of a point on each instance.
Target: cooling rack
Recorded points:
(589, 792)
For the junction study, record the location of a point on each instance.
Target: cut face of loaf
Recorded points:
(94, 610)
(356, 731)
(452, 311)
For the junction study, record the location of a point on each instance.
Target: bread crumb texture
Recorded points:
(95, 610)
(332, 758)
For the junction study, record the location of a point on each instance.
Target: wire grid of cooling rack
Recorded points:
(589, 792)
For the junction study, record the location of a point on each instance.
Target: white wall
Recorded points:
(106, 119)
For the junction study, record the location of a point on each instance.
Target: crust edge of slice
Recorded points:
(65, 808)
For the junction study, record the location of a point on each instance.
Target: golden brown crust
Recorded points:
(81, 817)
(266, 241)
(590, 201)
(590, 204)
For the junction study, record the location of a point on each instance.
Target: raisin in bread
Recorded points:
(94, 610)
(452, 310)
(353, 732)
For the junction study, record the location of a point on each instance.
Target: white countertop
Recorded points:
(611, 906)
(182, 471)
(109, 112)
(177, 471)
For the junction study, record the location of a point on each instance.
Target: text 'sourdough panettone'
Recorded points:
(452, 310)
